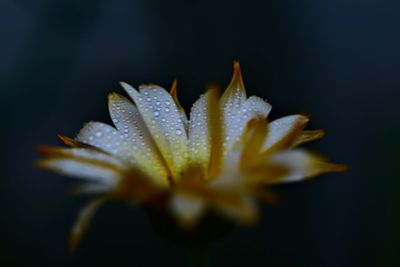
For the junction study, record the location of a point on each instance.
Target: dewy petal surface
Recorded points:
(199, 139)
(231, 101)
(129, 123)
(164, 121)
(254, 107)
(107, 138)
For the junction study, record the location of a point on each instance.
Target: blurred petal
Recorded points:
(187, 208)
(282, 131)
(308, 136)
(107, 138)
(164, 121)
(84, 154)
(129, 123)
(90, 189)
(84, 170)
(83, 221)
(302, 164)
(254, 137)
(242, 208)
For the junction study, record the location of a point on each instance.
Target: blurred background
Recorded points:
(338, 60)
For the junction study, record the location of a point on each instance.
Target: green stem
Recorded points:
(200, 255)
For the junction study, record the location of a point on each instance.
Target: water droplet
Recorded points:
(178, 132)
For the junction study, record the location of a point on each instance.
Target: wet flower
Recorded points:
(224, 157)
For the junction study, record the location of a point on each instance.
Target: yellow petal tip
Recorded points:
(237, 78)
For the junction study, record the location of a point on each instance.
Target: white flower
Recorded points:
(221, 158)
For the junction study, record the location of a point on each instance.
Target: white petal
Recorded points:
(242, 209)
(107, 138)
(93, 155)
(302, 164)
(254, 107)
(164, 121)
(199, 140)
(90, 172)
(187, 208)
(129, 122)
(282, 128)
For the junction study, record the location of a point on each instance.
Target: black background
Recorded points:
(338, 60)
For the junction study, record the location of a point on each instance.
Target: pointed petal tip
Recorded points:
(127, 87)
(66, 140)
(237, 78)
(174, 93)
(122, 83)
(174, 88)
(339, 167)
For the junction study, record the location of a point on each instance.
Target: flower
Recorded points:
(224, 157)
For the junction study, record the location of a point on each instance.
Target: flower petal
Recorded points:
(232, 100)
(129, 122)
(82, 223)
(89, 155)
(164, 121)
(243, 208)
(107, 138)
(282, 131)
(253, 108)
(199, 136)
(254, 137)
(187, 208)
(174, 94)
(308, 136)
(301, 164)
(215, 133)
(84, 170)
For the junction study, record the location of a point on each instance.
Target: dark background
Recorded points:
(338, 60)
